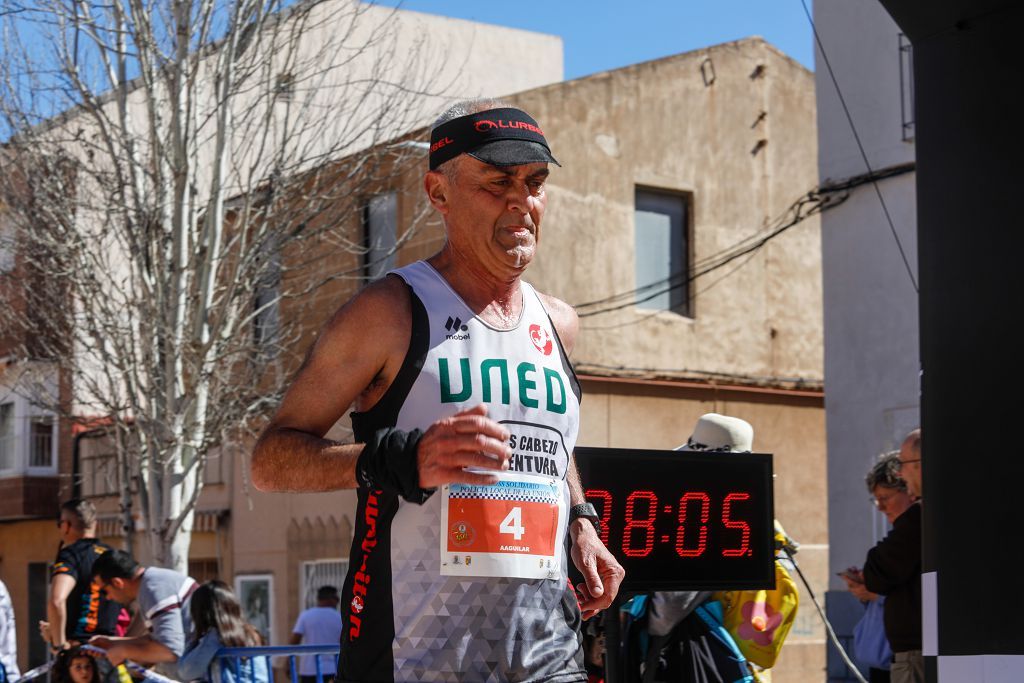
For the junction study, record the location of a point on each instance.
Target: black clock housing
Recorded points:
(684, 520)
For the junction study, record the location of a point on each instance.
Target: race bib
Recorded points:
(514, 528)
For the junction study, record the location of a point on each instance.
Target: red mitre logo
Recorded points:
(541, 339)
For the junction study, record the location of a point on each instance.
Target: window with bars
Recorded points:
(317, 573)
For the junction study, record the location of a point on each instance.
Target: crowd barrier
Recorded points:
(241, 661)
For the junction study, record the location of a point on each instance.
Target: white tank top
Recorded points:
(469, 628)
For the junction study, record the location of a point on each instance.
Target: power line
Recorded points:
(810, 204)
(863, 154)
(813, 202)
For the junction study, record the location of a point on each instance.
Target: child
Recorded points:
(75, 666)
(218, 623)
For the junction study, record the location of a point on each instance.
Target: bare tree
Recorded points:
(179, 177)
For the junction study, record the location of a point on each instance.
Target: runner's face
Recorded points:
(495, 213)
(81, 670)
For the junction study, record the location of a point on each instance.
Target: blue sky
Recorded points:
(600, 34)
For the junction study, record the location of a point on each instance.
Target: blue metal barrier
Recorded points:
(241, 662)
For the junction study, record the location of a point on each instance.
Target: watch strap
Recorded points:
(585, 511)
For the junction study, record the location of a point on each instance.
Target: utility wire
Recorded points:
(825, 197)
(863, 154)
(812, 203)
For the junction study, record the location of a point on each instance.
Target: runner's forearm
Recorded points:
(292, 461)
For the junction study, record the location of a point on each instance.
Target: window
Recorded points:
(6, 247)
(320, 573)
(7, 443)
(203, 569)
(380, 221)
(41, 444)
(907, 87)
(267, 298)
(284, 86)
(662, 251)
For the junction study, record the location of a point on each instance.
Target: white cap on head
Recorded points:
(714, 432)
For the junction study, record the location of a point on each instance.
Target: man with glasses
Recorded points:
(893, 569)
(77, 609)
(910, 463)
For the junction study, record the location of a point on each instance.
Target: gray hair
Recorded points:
(886, 473)
(465, 108)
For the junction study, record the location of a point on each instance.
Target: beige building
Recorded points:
(675, 175)
(374, 56)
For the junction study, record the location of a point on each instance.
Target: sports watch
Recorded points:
(586, 511)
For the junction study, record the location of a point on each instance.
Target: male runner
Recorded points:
(455, 574)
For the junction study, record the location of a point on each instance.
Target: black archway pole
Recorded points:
(970, 184)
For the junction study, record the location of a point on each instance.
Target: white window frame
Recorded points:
(23, 415)
(244, 583)
(304, 572)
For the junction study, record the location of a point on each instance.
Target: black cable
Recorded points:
(828, 625)
(818, 202)
(863, 154)
(821, 195)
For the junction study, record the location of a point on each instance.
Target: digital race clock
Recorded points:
(684, 520)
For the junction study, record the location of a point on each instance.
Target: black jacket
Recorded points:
(893, 569)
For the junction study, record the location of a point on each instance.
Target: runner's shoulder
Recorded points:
(564, 318)
(380, 311)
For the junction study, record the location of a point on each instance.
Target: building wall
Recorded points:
(657, 124)
(27, 547)
(871, 325)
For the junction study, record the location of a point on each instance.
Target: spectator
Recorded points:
(681, 647)
(910, 463)
(320, 625)
(75, 666)
(8, 639)
(218, 623)
(889, 494)
(163, 597)
(76, 610)
(893, 569)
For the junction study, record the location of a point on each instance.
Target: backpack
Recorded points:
(760, 620)
(698, 650)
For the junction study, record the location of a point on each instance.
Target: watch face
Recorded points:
(679, 520)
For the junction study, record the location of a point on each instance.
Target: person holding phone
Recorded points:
(893, 569)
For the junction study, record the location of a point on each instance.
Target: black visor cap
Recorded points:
(513, 153)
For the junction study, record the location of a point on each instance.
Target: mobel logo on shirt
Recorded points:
(494, 378)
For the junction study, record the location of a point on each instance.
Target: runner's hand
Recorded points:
(466, 439)
(602, 573)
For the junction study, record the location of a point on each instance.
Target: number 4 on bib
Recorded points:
(513, 524)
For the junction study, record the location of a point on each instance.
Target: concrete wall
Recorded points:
(871, 324)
